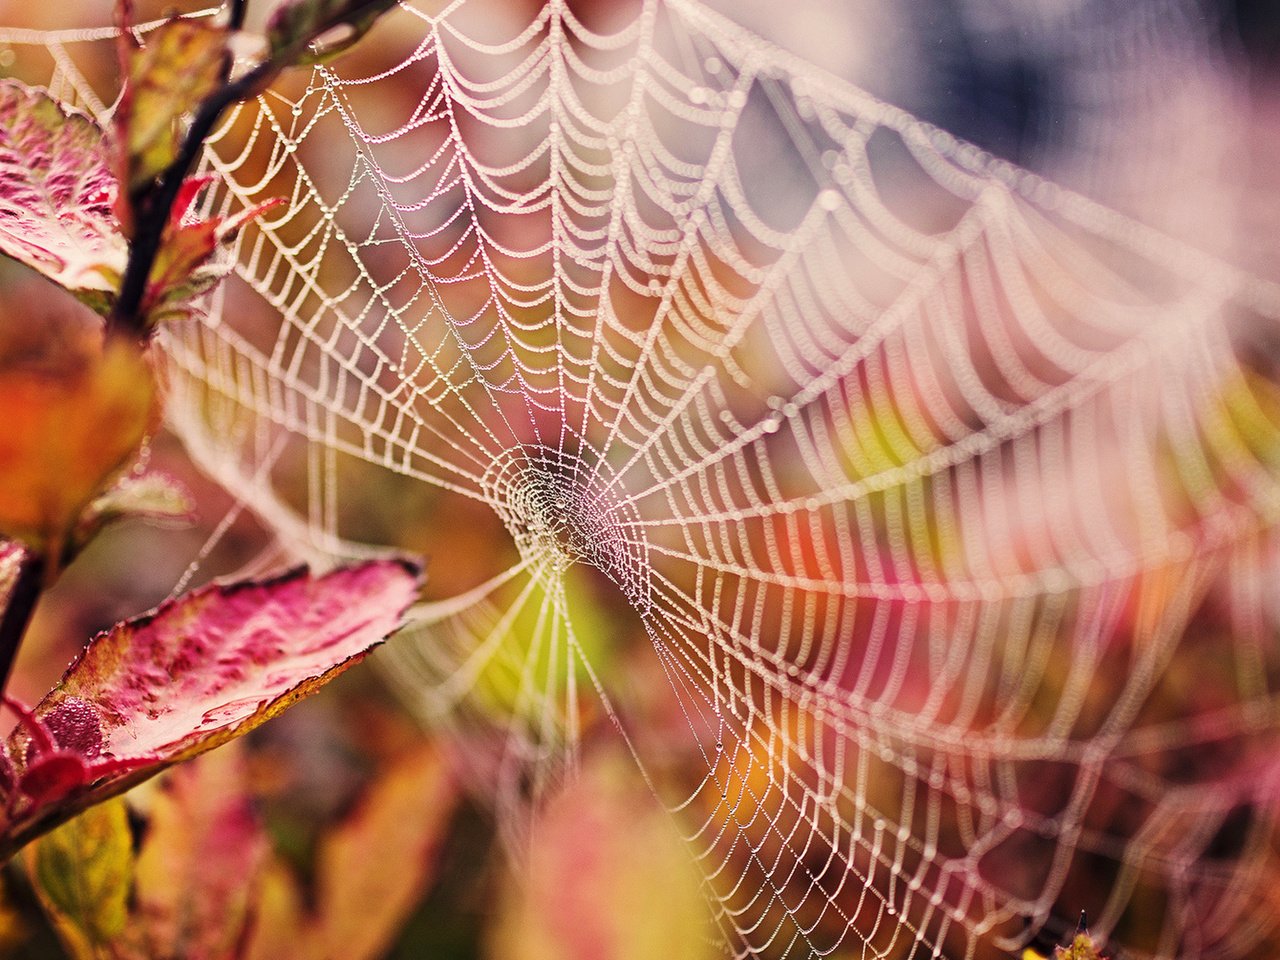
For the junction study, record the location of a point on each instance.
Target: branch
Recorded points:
(126, 314)
(19, 607)
(152, 210)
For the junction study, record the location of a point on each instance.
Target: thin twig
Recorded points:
(126, 314)
(21, 604)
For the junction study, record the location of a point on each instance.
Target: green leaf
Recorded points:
(82, 873)
(57, 192)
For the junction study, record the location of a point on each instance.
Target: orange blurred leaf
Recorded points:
(65, 433)
(361, 903)
(372, 870)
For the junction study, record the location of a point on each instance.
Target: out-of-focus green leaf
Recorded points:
(57, 191)
(178, 67)
(155, 497)
(82, 872)
(313, 31)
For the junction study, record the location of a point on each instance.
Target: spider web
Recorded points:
(907, 516)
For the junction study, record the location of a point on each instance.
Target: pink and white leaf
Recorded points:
(57, 193)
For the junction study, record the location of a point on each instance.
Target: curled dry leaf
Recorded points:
(153, 496)
(56, 195)
(194, 673)
(68, 427)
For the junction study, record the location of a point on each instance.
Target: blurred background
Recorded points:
(1167, 110)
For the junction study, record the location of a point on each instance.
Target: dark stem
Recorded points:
(18, 609)
(236, 21)
(127, 314)
(152, 208)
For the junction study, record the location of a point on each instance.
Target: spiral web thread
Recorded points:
(941, 496)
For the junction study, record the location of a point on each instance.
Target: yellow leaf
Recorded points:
(1081, 948)
(82, 873)
(362, 904)
(600, 885)
(278, 917)
(179, 66)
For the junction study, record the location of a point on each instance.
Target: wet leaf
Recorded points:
(196, 672)
(196, 873)
(168, 77)
(67, 430)
(57, 192)
(82, 873)
(313, 31)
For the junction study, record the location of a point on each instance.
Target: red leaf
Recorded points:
(205, 664)
(197, 874)
(199, 670)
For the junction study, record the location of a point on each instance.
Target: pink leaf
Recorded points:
(192, 674)
(56, 194)
(204, 664)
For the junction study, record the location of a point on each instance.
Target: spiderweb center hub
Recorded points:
(562, 508)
